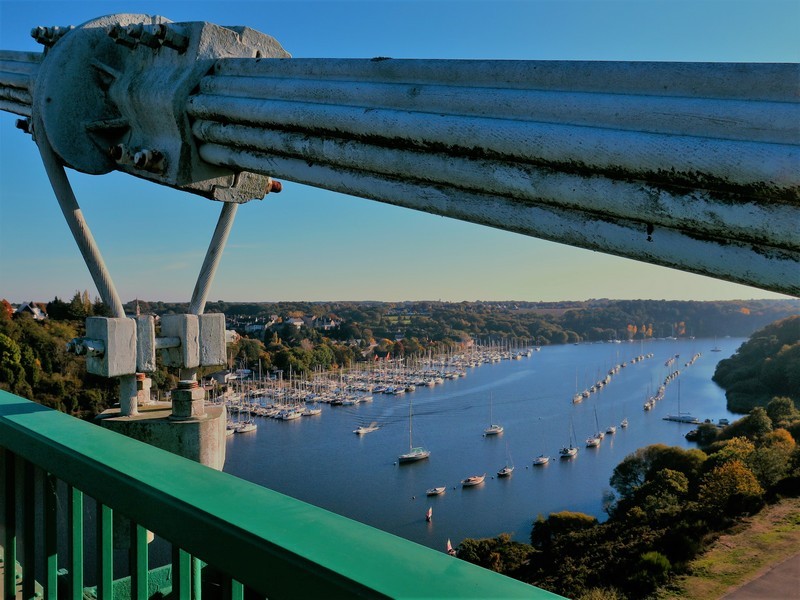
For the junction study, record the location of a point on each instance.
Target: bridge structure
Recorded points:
(687, 165)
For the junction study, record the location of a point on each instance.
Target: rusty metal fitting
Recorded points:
(47, 36)
(149, 160)
(171, 38)
(121, 154)
(188, 384)
(121, 36)
(23, 125)
(89, 347)
(274, 186)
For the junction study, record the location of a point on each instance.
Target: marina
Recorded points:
(320, 461)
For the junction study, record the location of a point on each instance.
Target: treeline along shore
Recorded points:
(306, 337)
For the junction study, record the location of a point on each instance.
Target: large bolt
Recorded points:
(23, 125)
(121, 36)
(149, 160)
(172, 39)
(47, 36)
(274, 186)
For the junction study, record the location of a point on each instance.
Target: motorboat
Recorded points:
(363, 429)
(473, 480)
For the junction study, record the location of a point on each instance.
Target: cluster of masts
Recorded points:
(601, 383)
(651, 401)
(297, 397)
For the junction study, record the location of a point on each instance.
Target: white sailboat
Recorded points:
(413, 454)
(493, 429)
(569, 451)
(508, 469)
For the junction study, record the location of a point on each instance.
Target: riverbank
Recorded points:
(750, 551)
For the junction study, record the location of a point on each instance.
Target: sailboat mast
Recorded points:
(410, 442)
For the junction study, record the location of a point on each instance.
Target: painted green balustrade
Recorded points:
(285, 549)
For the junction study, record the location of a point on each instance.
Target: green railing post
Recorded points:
(29, 532)
(51, 537)
(181, 574)
(237, 590)
(76, 542)
(10, 542)
(287, 549)
(138, 562)
(197, 578)
(105, 552)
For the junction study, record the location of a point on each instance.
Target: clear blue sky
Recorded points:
(308, 244)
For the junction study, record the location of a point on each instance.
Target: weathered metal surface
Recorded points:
(694, 166)
(285, 549)
(17, 72)
(110, 94)
(761, 265)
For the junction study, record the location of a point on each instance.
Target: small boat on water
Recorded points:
(624, 423)
(429, 514)
(683, 417)
(505, 471)
(541, 460)
(592, 442)
(436, 491)
(473, 480)
(568, 452)
(493, 428)
(413, 454)
(450, 550)
(246, 426)
(612, 429)
(363, 429)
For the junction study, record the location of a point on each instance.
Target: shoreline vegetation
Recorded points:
(745, 553)
(683, 523)
(310, 337)
(670, 506)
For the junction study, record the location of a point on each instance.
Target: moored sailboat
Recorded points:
(493, 428)
(413, 454)
(569, 451)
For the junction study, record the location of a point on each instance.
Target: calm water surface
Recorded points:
(321, 461)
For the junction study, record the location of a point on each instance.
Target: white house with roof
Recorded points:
(29, 307)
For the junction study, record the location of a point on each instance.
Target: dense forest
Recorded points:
(541, 322)
(668, 503)
(767, 365)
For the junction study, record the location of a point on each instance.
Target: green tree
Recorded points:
(782, 411)
(12, 374)
(771, 461)
(752, 427)
(651, 571)
(730, 489)
(544, 531)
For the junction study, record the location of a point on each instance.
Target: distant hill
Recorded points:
(765, 366)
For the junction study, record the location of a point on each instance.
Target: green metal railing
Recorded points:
(284, 549)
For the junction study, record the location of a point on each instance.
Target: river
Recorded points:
(319, 459)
